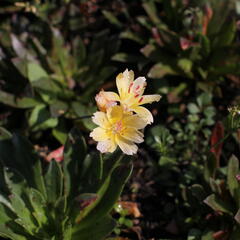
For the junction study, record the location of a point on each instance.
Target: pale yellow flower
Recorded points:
(131, 95)
(117, 129)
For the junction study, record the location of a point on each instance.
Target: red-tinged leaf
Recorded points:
(217, 136)
(56, 154)
(213, 215)
(86, 199)
(157, 36)
(208, 13)
(186, 43)
(220, 235)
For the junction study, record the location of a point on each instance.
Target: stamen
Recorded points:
(118, 127)
(136, 95)
(137, 87)
(130, 86)
(140, 99)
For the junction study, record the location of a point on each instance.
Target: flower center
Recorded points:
(118, 127)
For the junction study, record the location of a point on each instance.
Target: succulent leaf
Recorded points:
(53, 182)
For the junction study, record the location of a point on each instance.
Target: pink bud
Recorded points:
(56, 154)
(186, 43)
(238, 177)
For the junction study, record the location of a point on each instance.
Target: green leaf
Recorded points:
(160, 139)
(40, 119)
(233, 184)
(206, 47)
(17, 153)
(160, 70)
(215, 187)
(105, 204)
(4, 201)
(4, 134)
(111, 18)
(193, 108)
(53, 182)
(151, 10)
(60, 132)
(204, 99)
(15, 182)
(58, 108)
(198, 191)
(74, 154)
(144, 21)
(36, 72)
(18, 102)
(226, 35)
(39, 205)
(67, 234)
(101, 229)
(232, 67)
(110, 162)
(185, 64)
(7, 232)
(94, 79)
(91, 173)
(207, 236)
(217, 204)
(126, 58)
(61, 206)
(25, 218)
(209, 111)
(61, 216)
(28, 157)
(132, 36)
(48, 89)
(210, 167)
(5, 214)
(79, 50)
(84, 113)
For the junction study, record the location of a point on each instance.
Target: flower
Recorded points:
(121, 117)
(105, 100)
(117, 128)
(131, 95)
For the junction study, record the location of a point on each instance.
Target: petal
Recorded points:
(138, 86)
(106, 146)
(149, 99)
(100, 118)
(106, 99)
(123, 82)
(130, 101)
(112, 96)
(99, 134)
(144, 113)
(134, 121)
(129, 75)
(115, 114)
(126, 146)
(133, 135)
